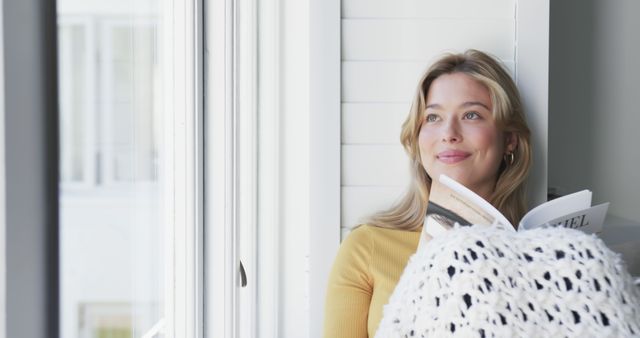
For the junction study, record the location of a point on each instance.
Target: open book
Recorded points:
(450, 202)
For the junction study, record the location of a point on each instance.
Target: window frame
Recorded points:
(220, 255)
(180, 58)
(184, 291)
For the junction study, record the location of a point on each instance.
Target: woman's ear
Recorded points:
(511, 142)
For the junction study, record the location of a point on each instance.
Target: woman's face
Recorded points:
(459, 136)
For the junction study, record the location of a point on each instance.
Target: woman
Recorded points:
(466, 121)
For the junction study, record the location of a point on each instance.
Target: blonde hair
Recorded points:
(509, 193)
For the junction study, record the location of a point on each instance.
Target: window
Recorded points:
(135, 259)
(130, 168)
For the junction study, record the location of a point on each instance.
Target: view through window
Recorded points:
(114, 184)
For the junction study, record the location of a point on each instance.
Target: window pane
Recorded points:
(112, 183)
(73, 102)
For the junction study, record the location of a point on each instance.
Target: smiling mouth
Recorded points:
(452, 157)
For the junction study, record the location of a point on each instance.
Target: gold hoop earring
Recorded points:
(509, 158)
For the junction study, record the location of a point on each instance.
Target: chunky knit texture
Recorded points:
(492, 282)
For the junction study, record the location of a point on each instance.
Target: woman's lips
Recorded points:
(452, 156)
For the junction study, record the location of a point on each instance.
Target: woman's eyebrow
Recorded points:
(464, 105)
(474, 103)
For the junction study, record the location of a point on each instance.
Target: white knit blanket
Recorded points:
(490, 282)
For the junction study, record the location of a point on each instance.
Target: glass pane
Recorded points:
(112, 184)
(73, 102)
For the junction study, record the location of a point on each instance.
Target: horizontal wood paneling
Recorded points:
(375, 81)
(423, 39)
(374, 165)
(361, 202)
(380, 81)
(377, 123)
(428, 9)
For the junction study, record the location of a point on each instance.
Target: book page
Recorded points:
(589, 220)
(475, 204)
(450, 202)
(556, 208)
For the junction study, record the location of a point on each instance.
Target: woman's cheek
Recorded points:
(425, 144)
(485, 136)
(424, 140)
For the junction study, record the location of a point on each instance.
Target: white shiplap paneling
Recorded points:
(375, 81)
(374, 165)
(498, 9)
(373, 123)
(422, 39)
(384, 81)
(364, 201)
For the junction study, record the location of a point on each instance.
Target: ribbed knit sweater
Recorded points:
(365, 273)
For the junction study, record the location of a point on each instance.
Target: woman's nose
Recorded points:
(451, 132)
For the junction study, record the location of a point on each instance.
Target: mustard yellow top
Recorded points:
(364, 274)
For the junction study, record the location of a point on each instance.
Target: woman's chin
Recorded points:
(462, 178)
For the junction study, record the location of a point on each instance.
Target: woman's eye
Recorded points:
(431, 118)
(471, 115)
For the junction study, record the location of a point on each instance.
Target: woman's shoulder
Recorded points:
(371, 233)
(358, 236)
(370, 229)
(362, 237)
(368, 244)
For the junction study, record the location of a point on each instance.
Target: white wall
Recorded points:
(325, 152)
(594, 114)
(294, 177)
(386, 46)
